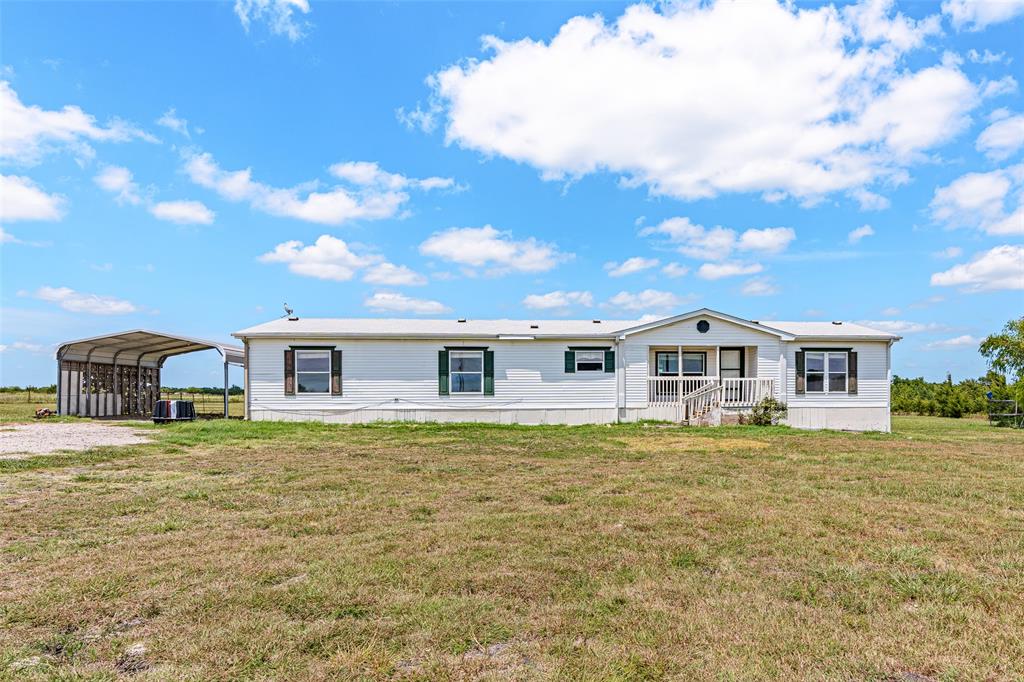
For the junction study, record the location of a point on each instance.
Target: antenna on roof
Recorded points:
(289, 313)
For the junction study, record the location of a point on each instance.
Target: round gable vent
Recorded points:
(703, 326)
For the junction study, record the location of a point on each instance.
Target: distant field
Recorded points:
(22, 405)
(234, 550)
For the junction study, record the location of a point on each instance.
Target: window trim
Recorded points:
(330, 368)
(825, 373)
(451, 373)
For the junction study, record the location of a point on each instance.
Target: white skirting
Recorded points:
(591, 415)
(840, 418)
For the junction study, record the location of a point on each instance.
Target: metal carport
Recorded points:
(119, 374)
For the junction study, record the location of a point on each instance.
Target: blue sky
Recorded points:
(189, 167)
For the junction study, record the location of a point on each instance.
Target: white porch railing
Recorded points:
(745, 392)
(669, 390)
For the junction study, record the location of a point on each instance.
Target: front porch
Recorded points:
(695, 384)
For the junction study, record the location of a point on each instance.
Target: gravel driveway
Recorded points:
(44, 438)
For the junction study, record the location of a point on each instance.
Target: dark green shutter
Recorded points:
(851, 377)
(335, 372)
(488, 372)
(289, 372)
(609, 361)
(800, 380)
(442, 372)
(570, 362)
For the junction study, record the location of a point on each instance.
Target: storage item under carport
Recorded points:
(173, 411)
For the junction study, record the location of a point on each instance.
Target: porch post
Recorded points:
(718, 363)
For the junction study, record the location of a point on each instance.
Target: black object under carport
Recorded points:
(173, 411)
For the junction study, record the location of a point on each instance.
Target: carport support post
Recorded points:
(225, 385)
(60, 376)
(88, 385)
(138, 385)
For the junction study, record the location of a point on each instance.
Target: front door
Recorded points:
(732, 363)
(733, 367)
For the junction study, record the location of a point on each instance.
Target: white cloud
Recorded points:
(329, 258)
(630, 266)
(891, 311)
(183, 212)
(992, 202)
(333, 259)
(975, 15)
(998, 268)
(870, 201)
(8, 238)
(279, 16)
(854, 113)
(903, 326)
(30, 132)
(23, 345)
(647, 299)
(558, 299)
(859, 233)
(23, 199)
(675, 270)
(170, 119)
(78, 302)
(949, 252)
(334, 206)
(988, 57)
(1007, 85)
(714, 271)
(956, 342)
(1002, 138)
(389, 301)
(370, 174)
(118, 180)
(696, 241)
(487, 247)
(768, 240)
(393, 275)
(759, 286)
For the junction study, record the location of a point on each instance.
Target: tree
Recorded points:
(1005, 351)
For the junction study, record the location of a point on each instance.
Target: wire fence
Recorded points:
(205, 403)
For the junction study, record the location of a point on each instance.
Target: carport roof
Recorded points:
(149, 347)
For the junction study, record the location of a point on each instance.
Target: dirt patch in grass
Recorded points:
(290, 551)
(23, 440)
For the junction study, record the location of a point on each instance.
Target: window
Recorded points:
(667, 363)
(826, 371)
(466, 369)
(693, 364)
(590, 361)
(313, 371)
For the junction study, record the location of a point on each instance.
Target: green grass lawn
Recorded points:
(235, 550)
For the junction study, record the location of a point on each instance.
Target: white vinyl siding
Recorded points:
(527, 374)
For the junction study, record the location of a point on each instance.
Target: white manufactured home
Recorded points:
(699, 367)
